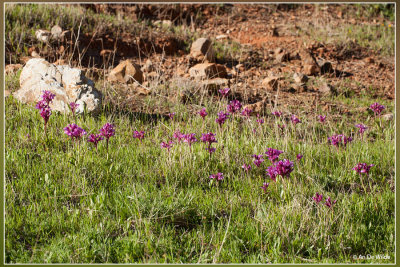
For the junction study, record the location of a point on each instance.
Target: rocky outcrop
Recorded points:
(68, 84)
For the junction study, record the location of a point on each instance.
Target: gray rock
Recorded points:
(68, 84)
(388, 117)
(300, 77)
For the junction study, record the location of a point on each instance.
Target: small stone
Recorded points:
(43, 35)
(300, 77)
(222, 36)
(202, 50)
(56, 32)
(213, 85)
(208, 71)
(388, 117)
(258, 107)
(6, 93)
(311, 69)
(282, 57)
(126, 72)
(326, 88)
(271, 83)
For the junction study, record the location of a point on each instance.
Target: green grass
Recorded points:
(67, 202)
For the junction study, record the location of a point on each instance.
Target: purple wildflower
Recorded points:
(258, 159)
(259, 120)
(190, 138)
(246, 112)
(321, 118)
(234, 106)
(203, 113)
(284, 167)
(42, 105)
(339, 140)
(273, 154)
(265, 187)
(299, 156)
(277, 113)
(246, 167)
(295, 120)
(317, 198)
(74, 131)
(329, 203)
(211, 149)
(224, 91)
(107, 130)
(138, 135)
(73, 106)
(362, 168)
(222, 118)
(361, 128)
(208, 138)
(167, 145)
(271, 171)
(218, 176)
(178, 135)
(45, 114)
(95, 138)
(377, 108)
(171, 115)
(48, 96)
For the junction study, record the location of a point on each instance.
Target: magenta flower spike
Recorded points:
(361, 128)
(178, 136)
(246, 112)
(363, 168)
(277, 113)
(317, 198)
(45, 114)
(218, 176)
(377, 108)
(48, 96)
(209, 138)
(73, 106)
(107, 131)
(138, 135)
(246, 167)
(299, 156)
(234, 106)
(284, 167)
(171, 115)
(258, 159)
(168, 145)
(329, 202)
(95, 139)
(190, 138)
(272, 173)
(203, 113)
(265, 187)
(273, 154)
(259, 120)
(44, 107)
(340, 140)
(295, 120)
(224, 92)
(321, 118)
(222, 117)
(74, 131)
